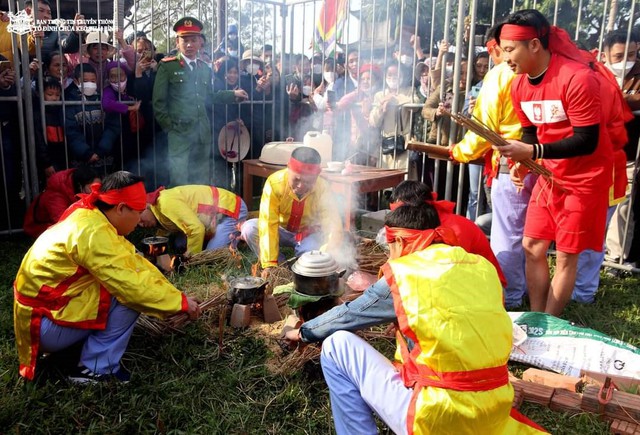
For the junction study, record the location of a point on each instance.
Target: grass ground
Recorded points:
(183, 384)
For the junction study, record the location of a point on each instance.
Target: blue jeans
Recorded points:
(475, 175)
(226, 227)
(102, 349)
(373, 307)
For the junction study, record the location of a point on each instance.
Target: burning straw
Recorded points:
(494, 138)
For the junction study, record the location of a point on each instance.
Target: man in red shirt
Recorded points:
(557, 98)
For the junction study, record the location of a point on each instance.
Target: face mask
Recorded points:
(405, 60)
(306, 90)
(233, 53)
(392, 83)
(317, 69)
(119, 87)
(252, 69)
(448, 71)
(89, 88)
(329, 76)
(233, 37)
(617, 68)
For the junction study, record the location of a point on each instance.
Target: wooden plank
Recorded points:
(551, 379)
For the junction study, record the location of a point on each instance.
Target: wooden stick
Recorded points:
(494, 138)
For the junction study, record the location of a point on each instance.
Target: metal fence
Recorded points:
(380, 32)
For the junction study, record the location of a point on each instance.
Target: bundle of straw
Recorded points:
(494, 138)
(174, 323)
(370, 256)
(221, 257)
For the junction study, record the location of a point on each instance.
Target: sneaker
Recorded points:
(83, 375)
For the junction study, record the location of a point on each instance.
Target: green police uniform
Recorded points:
(182, 102)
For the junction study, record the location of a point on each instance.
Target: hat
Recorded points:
(234, 141)
(250, 55)
(420, 67)
(188, 26)
(372, 69)
(97, 38)
(117, 64)
(232, 28)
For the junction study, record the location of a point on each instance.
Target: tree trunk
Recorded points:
(613, 11)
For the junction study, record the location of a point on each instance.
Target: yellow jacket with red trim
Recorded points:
(275, 211)
(70, 274)
(494, 109)
(449, 304)
(193, 210)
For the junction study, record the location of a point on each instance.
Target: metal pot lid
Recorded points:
(315, 264)
(155, 240)
(247, 282)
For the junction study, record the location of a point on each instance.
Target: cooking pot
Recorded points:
(316, 274)
(246, 290)
(156, 245)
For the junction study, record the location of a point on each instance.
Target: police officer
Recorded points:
(182, 99)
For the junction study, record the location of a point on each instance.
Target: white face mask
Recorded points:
(317, 68)
(119, 87)
(448, 71)
(233, 37)
(329, 76)
(306, 90)
(405, 59)
(233, 53)
(89, 88)
(617, 68)
(252, 69)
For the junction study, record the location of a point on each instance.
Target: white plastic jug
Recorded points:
(321, 142)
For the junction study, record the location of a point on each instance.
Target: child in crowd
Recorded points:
(50, 142)
(114, 97)
(60, 193)
(89, 134)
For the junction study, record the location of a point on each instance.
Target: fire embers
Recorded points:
(156, 251)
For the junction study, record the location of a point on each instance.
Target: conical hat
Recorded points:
(234, 141)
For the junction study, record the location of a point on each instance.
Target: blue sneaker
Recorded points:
(83, 375)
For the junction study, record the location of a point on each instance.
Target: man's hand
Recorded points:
(517, 174)
(7, 78)
(193, 309)
(241, 95)
(443, 47)
(34, 66)
(78, 22)
(440, 110)
(515, 150)
(292, 91)
(135, 107)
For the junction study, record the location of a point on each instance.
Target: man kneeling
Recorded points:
(453, 342)
(82, 281)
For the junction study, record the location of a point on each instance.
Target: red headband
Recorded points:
(491, 45)
(418, 240)
(304, 168)
(514, 32)
(133, 196)
(152, 197)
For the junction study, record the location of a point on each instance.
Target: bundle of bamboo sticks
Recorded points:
(494, 138)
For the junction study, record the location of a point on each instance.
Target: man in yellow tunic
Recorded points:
(494, 109)
(453, 342)
(83, 281)
(296, 210)
(207, 215)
